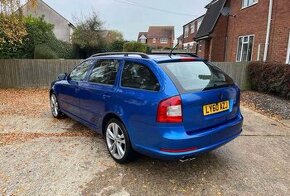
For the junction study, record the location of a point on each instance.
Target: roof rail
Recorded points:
(143, 55)
(176, 53)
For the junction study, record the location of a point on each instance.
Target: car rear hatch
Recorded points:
(209, 96)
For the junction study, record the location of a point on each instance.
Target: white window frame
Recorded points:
(164, 40)
(199, 23)
(192, 27)
(240, 59)
(260, 52)
(288, 51)
(154, 41)
(248, 3)
(186, 31)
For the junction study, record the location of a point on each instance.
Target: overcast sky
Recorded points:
(132, 16)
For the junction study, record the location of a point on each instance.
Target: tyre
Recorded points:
(118, 143)
(54, 106)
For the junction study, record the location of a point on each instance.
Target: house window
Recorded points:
(71, 31)
(199, 23)
(288, 52)
(192, 27)
(154, 40)
(245, 48)
(247, 3)
(186, 29)
(163, 40)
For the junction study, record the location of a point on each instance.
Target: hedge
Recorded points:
(273, 78)
(43, 51)
(136, 47)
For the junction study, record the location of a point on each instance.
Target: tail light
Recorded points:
(170, 110)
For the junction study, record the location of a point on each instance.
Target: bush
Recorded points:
(136, 47)
(116, 46)
(39, 38)
(271, 78)
(43, 51)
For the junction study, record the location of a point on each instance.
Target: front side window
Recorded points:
(163, 40)
(245, 48)
(154, 41)
(186, 29)
(138, 76)
(247, 3)
(104, 72)
(79, 73)
(195, 76)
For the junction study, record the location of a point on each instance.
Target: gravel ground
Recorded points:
(44, 156)
(269, 105)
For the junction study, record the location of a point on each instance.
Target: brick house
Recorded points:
(189, 31)
(63, 28)
(242, 35)
(158, 37)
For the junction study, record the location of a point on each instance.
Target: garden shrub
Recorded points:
(136, 47)
(270, 77)
(43, 51)
(39, 38)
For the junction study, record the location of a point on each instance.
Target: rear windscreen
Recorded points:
(196, 75)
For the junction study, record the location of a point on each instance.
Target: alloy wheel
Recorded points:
(54, 105)
(115, 139)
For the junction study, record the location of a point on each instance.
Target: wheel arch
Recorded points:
(50, 92)
(108, 117)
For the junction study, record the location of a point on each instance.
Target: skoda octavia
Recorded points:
(167, 106)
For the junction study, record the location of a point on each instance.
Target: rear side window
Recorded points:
(139, 76)
(196, 75)
(104, 72)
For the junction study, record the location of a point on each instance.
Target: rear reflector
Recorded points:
(179, 150)
(170, 110)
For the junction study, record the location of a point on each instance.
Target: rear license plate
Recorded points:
(216, 107)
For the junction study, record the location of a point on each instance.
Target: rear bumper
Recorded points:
(173, 143)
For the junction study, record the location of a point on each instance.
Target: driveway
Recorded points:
(44, 156)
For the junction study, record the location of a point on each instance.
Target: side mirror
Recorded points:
(62, 76)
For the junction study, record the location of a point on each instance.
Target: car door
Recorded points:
(69, 93)
(139, 95)
(98, 91)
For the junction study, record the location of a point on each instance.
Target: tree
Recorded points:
(12, 28)
(114, 35)
(87, 38)
(40, 42)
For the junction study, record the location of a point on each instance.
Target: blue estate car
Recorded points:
(165, 106)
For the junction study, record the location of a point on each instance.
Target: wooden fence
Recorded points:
(238, 71)
(20, 73)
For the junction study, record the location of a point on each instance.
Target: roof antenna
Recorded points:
(173, 49)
